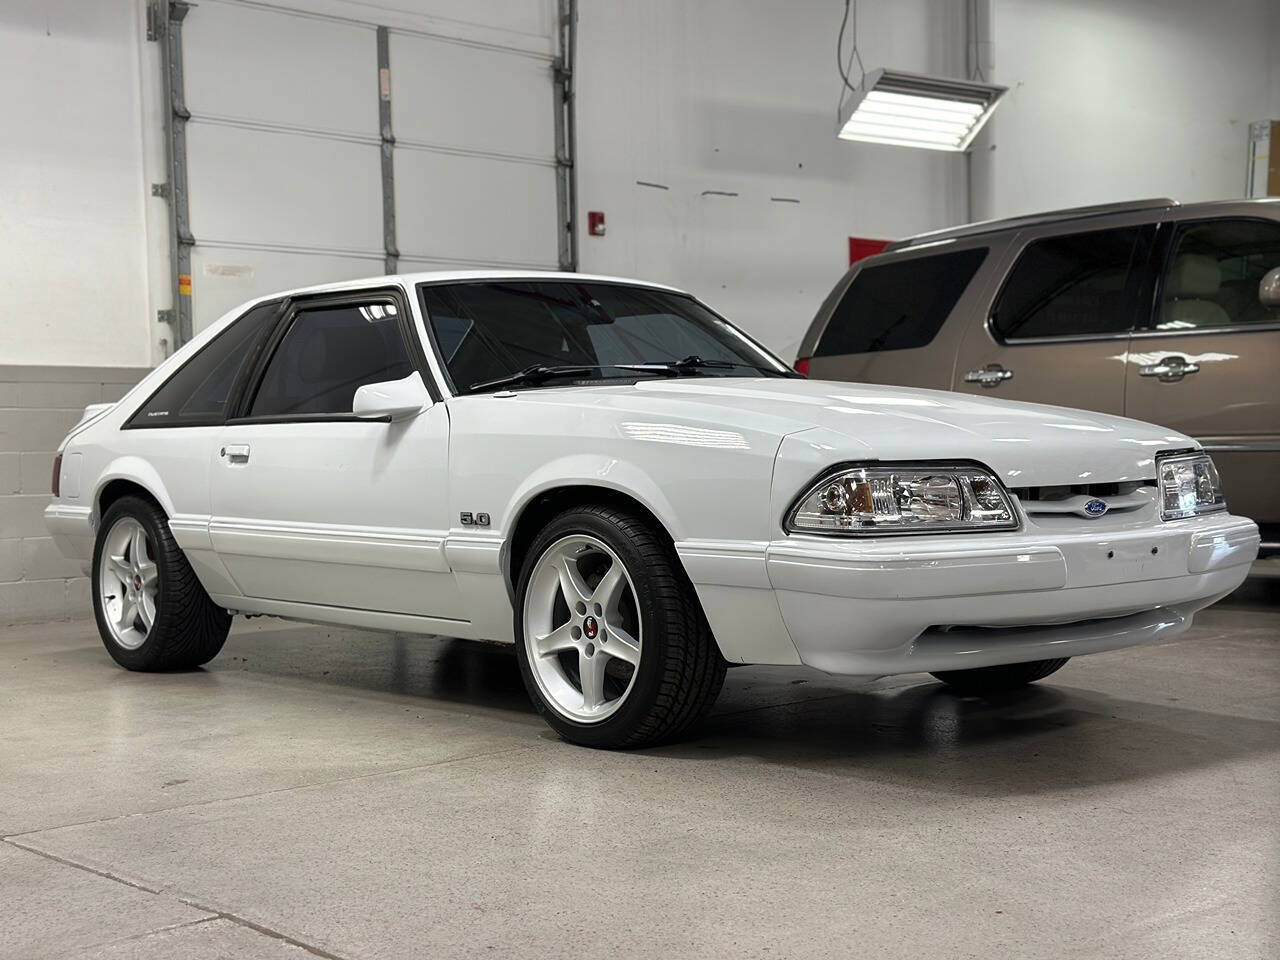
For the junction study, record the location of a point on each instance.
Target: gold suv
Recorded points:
(1152, 310)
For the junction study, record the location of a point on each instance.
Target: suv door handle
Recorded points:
(992, 375)
(1169, 369)
(235, 453)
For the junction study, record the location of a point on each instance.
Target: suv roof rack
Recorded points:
(1071, 213)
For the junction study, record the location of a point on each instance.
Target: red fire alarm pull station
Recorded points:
(595, 223)
(861, 247)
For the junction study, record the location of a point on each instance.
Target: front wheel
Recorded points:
(1006, 676)
(613, 645)
(152, 612)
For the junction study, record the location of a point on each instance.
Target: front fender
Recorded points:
(593, 470)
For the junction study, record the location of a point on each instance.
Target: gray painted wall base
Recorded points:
(37, 407)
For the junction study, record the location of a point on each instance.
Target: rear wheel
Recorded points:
(1006, 676)
(152, 612)
(613, 645)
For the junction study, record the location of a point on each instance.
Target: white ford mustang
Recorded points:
(629, 489)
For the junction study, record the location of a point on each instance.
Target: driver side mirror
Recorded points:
(397, 399)
(1269, 289)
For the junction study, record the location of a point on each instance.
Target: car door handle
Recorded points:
(1169, 369)
(236, 453)
(992, 375)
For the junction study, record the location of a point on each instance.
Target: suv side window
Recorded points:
(899, 305)
(1077, 285)
(1211, 279)
(197, 394)
(328, 352)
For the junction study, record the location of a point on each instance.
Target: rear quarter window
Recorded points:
(899, 305)
(197, 394)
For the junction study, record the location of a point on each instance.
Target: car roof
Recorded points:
(1154, 205)
(468, 276)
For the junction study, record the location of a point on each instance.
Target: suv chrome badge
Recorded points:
(1095, 508)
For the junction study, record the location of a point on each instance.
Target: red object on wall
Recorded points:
(861, 247)
(595, 223)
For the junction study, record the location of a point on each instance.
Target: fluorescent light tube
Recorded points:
(914, 110)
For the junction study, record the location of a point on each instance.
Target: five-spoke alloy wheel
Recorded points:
(613, 645)
(127, 582)
(582, 628)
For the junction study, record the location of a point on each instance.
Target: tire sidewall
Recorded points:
(145, 654)
(653, 644)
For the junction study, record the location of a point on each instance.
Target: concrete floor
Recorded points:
(346, 794)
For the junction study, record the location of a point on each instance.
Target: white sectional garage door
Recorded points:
(284, 146)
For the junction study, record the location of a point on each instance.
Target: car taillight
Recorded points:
(802, 366)
(57, 473)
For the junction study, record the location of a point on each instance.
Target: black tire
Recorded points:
(189, 629)
(1006, 676)
(680, 671)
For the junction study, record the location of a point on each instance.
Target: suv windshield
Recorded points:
(496, 332)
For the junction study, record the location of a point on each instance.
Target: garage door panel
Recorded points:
(267, 66)
(480, 210)
(284, 156)
(275, 188)
(534, 18)
(225, 277)
(471, 98)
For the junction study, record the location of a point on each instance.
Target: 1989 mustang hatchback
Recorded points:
(628, 488)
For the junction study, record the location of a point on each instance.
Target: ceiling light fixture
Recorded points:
(915, 110)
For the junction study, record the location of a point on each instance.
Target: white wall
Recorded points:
(73, 242)
(1110, 100)
(1117, 100)
(740, 97)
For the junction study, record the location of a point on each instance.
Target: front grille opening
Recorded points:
(1075, 498)
(1065, 492)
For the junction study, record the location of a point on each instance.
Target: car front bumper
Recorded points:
(884, 606)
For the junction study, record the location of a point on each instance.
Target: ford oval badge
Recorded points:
(1095, 508)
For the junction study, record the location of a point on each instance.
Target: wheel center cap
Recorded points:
(590, 628)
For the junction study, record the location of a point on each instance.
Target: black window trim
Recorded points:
(1153, 248)
(254, 347)
(447, 377)
(1169, 230)
(293, 305)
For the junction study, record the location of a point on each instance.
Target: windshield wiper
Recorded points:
(533, 375)
(540, 373)
(692, 364)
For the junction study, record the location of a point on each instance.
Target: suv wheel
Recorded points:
(1006, 676)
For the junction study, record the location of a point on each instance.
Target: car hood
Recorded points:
(1027, 444)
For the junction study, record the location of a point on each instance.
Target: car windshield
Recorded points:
(496, 332)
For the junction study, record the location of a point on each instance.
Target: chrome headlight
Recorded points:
(880, 499)
(1189, 486)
